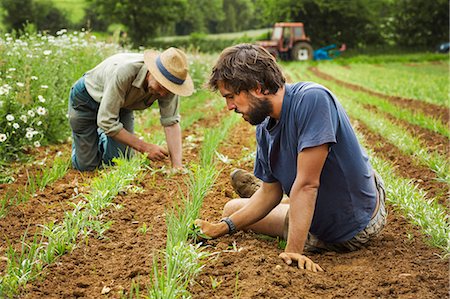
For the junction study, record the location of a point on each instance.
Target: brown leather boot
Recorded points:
(244, 183)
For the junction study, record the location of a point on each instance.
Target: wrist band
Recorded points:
(231, 226)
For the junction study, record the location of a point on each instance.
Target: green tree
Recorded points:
(239, 15)
(43, 14)
(199, 16)
(142, 18)
(355, 22)
(421, 22)
(48, 17)
(17, 13)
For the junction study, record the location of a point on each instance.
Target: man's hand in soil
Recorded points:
(155, 152)
(212, 230)
(303, 262)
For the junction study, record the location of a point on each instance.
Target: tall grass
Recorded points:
(36, 73)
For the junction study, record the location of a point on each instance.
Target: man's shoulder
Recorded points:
(301, 88)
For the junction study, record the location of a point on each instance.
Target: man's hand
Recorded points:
(212, 230)
(155, 152)
(302, 261)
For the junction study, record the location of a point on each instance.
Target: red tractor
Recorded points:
(289, 42)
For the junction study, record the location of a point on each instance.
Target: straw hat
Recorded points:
(170, 69)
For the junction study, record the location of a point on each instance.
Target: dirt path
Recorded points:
(428, 109)
(431, 140)
(424, 177)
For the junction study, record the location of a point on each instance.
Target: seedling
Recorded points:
(144, 229)
(196, 235)
(215, 283)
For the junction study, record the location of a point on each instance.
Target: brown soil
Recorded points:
(440, 112)
(431, 140)
(396, 265)
(420, 175)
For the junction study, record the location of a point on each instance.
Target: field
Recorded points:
(126, 231)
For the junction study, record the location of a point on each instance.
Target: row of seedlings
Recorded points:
(181, 261)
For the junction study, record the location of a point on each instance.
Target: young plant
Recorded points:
(215, 283)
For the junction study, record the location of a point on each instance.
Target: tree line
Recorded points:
(358, 23)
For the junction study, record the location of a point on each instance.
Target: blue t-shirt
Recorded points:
(312, 116)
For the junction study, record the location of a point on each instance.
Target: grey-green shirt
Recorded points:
(119, 82)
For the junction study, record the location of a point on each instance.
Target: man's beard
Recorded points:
(259, 110)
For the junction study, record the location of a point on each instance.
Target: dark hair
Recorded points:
(244, 67)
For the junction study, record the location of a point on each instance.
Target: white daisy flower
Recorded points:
(31, 113)
(16, 125)
(10, 117)
(37, 144)
(20, 84)
(23, 118)
(41, 110)
(41, 99)
(29, 135)
(44, 86)
(34, 78)
(2, 137)
(47, 52)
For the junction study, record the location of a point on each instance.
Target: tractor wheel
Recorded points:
(302, 51)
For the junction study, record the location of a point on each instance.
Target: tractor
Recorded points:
(289, 42)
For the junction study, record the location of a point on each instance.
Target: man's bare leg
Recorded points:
(271, 225)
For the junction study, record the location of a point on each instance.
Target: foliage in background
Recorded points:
(361, 24)
(421, 22)
(43, 14)
(141, 17)
(199, 42)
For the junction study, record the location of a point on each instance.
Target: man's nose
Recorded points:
(231, 105)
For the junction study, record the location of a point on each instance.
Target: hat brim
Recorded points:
(186, 89)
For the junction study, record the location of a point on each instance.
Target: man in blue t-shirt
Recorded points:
(307, 150)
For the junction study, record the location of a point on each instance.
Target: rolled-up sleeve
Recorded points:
(111, 103)
(169, 108)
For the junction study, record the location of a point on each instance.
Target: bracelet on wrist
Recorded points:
(231, 226)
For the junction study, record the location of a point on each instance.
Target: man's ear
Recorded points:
(260, 92)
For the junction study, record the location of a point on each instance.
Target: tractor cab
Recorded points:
(289, 42)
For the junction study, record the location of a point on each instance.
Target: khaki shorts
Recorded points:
(373, 228)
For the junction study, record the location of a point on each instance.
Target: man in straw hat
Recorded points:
(307, 150)
(101, 105)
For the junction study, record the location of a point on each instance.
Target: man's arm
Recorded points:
(267, 197)
(302, 203)
(153, 151)
(173, 139)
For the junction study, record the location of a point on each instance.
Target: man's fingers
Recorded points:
(198, 222)
(301, 263)
(310, 266)
(285, 258)
(318, 268)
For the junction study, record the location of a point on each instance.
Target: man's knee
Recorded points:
(83, 166)
(233, 206)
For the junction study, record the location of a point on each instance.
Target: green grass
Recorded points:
(425, 84)
(229, 35)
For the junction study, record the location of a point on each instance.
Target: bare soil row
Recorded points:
(428, 109)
